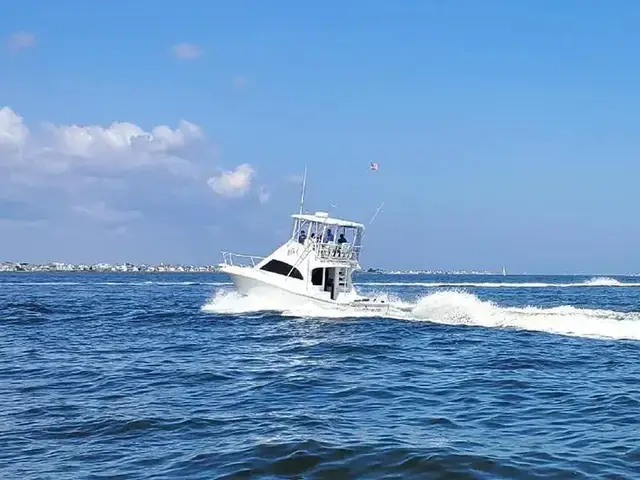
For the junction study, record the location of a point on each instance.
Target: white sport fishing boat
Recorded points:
(315, 265)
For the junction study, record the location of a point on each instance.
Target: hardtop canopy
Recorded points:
(324, 218)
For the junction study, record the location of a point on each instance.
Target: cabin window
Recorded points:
(316, 276)
(282, 268)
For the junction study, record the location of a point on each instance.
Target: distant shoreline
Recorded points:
(211, 270)
(58, 267)
(107, 269)
(214, 269)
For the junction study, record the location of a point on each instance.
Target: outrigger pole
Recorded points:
(296, 225)
(304, 185)
(376, 214)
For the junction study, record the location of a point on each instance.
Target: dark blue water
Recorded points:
(145, 376)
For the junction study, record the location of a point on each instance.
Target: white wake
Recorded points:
(454, 308)
(464, 308)
(592, 282)
(607, 282)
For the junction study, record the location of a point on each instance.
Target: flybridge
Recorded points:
(331, 239)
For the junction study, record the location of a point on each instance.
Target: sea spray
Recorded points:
(592, 282)
(453, 307)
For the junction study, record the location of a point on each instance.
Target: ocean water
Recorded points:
(175, 376)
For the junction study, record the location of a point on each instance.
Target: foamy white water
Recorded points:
(464, 308)
(457, 308)
(231, 302)
(592, 282)
(607, 282)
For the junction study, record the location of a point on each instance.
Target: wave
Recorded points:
(452, 307)
(463, 308)
(606, 282)
(592, 282)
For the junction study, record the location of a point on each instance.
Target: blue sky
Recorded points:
(506, 132)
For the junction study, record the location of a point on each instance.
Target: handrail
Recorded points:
(337, 251)
(227, 258)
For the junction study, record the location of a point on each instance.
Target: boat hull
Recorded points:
(248, 282)
(247, 285)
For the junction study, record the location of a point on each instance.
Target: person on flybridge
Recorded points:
(328, 238)
(334, 246)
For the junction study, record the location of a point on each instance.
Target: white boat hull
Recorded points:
(248, 281)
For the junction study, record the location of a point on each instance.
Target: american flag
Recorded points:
(373, 166)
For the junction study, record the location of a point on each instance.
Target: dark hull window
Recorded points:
(316, 276)
(282, 268)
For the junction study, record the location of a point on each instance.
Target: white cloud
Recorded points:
(102, 178)
(187, 51)
(233, 183)
(13, 131)
(100, 212)
(89, 141)
(94, 140)
(58, 149)
(20, 41)
(263, 194)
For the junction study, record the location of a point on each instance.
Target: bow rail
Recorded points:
(241, 260)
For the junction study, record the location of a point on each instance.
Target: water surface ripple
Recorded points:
(128, 376)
